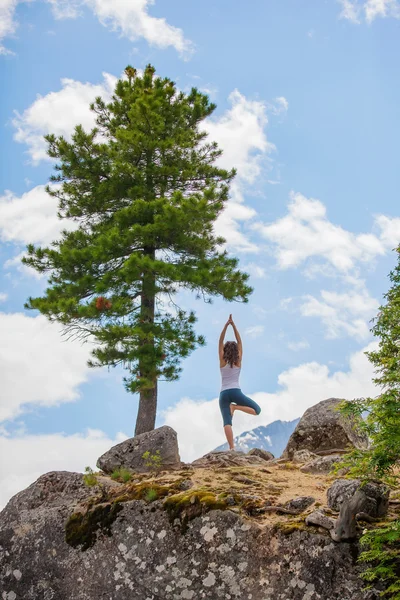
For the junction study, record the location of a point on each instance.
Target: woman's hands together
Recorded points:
(229, 321)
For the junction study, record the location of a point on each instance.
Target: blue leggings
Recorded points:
(236, 396)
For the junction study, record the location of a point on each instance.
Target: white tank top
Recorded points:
(230, 377)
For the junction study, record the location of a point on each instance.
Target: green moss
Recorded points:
(81, 529)
(191, 504)
(148, 491)
(289, 527)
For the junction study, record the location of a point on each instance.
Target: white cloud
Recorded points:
(296, 346)
(8, 24)
(350, 10)
(306, 238)
(133, 21)
(34, 455)
(390, 230)
(15, 263)
(59, 113)
(306, 233)
(65, 9)
(381, 8)
(240, 132)
(371, 9)
(342, 313)
(30, 218)
(254, 331)
(280, 106)
(300, 388)
(52, 367)
(3, 297)
(255, 270)
(228, 222)
(130, 19)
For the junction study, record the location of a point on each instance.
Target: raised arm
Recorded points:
(221, 341)
(238, 339)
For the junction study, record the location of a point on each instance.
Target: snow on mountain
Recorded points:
(272, 437)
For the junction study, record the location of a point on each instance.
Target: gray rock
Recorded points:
(227, 458)
(261, 453)
(323, 464)
(129, 454)
(302, 456)
(344, 489)
(186, 484)
(137, 553)
(341, 490)
(320, 519)
(322, 428)
(300, 503)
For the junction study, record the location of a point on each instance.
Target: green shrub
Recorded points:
(121, 473)
(383, 553)
(151, 495)
(152, 461)
(90, 478)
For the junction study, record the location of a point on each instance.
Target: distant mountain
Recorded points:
(272, 437)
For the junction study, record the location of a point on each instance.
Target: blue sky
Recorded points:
(308, 101)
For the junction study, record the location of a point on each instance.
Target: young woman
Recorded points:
(231, 397)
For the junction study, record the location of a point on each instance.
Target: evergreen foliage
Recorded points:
(143, 191)
(382, 424)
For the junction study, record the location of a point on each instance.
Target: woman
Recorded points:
(231, 397)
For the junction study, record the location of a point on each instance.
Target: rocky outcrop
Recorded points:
(160, 442)
(300, 503)
(265, 454)
(57, 541)
(322, 464)
(228, 458)
(377, 495)
(357, 501)
(323, 428)
(301, 456)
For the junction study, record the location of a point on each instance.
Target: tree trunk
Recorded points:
(146, 417)
(147, 410)
(345, 528)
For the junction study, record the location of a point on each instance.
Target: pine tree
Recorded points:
(382, 424)
(144, 192)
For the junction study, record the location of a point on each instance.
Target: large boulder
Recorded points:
(129, 454)
(323, 428)
(133, 550)
(377, 495)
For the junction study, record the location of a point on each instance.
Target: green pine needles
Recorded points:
(383, 554)
(144, 192)
(382, 424)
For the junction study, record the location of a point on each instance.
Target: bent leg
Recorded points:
(245, 404)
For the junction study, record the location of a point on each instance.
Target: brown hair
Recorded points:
(231, 353)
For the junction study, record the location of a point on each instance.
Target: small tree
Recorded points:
(382, 424)
(144, 192)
